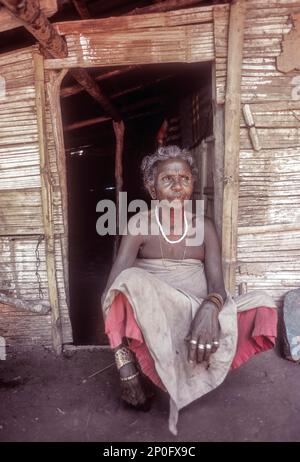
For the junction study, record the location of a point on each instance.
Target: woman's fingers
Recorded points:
(192, 349)
(200, 351)
(215, 338)
(208, 348)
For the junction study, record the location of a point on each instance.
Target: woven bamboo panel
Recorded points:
(134, 22)
(269, 198)
(22, 255)
(221, 18)
(177, 44)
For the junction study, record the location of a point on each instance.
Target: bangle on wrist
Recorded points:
(216, 299)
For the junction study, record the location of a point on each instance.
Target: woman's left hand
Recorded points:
(203, 337)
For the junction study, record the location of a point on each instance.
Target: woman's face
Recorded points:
(173, 181)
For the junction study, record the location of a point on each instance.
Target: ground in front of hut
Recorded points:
(45, 398)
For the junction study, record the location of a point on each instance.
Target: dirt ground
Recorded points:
(44, 398)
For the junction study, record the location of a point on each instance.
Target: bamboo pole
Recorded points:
(46, 193)
(53, 92)
(232, 141)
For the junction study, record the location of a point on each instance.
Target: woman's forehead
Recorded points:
(173, 165)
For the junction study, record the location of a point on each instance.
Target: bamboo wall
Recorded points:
(22, 241)
(268, 222)
(269, 197)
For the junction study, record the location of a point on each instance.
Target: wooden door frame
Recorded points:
(226, 148)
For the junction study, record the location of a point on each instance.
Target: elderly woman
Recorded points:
(166, 310)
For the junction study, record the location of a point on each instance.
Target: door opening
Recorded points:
(145, 96)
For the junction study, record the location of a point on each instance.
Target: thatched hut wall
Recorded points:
(267, 230)
(23, 256)
(269, 191)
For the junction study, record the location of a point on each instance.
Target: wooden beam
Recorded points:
(82, 9)
(89, 84)
(47, 201)
(74, 89)
(232, 141)
(8, 20)
(38, 306)
(34, 20)
(86, 123)
(129, 108)
(165, 5)
(100, 120)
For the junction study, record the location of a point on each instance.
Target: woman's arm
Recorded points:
(213, 261)
(204, 331)
(126, 256)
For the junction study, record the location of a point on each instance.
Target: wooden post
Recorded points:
(232, 141)
(218, 167)
(46, 193)
(89, 84)
(119, 129)
(53, 93)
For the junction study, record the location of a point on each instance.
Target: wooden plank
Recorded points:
(132, 22)
(221, 19)
(272, 138)
(56, 126)
(192, 43)
(218, 159)
(232, 141)
(46, 196)
(280, 228)
(165, 5)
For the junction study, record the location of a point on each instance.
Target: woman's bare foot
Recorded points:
(132, 391)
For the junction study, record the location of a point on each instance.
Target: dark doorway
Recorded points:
(145, 96)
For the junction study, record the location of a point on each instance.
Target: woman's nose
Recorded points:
(177, 186)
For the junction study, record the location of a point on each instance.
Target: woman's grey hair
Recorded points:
(149, 163)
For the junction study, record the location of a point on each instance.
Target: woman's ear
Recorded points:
(151, 191)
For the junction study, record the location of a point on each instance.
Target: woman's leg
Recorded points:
(124, 333)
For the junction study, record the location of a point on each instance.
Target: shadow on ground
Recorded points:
(44, 398)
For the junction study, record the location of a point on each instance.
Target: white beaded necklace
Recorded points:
(163, 233)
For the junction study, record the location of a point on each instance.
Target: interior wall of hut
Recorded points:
(146, 96)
